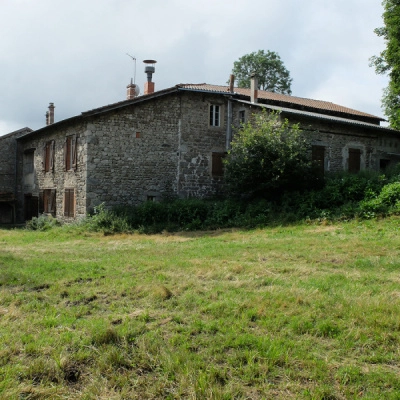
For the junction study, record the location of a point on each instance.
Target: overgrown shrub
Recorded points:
(387, 201)
(42, 223)
(268, 157)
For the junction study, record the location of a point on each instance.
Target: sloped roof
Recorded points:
(314, 115)
(282, 98)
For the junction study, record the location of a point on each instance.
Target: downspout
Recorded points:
(178, 168)
(229, 126)
(230, 116)
(16, 182)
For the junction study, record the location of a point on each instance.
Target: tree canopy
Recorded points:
(269, 69)
(268, 156)
(388, 62)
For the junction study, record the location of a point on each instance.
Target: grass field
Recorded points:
(295, 312)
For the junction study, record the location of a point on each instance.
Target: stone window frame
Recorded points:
(353, 148)
(47, 201)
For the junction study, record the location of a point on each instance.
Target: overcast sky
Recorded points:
(73, 52)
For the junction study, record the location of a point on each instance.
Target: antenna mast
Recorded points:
(134, 69)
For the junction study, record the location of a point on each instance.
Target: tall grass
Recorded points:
(307, 311)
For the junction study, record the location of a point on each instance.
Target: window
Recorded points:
(28, 162)
(217, 164)
(151, 198)
(70, 150)
(47, 202)
(384, 164)
(48, 156)
(69, 203)
(318, 158)
(215, 115)
(354, 160)
(242, 117)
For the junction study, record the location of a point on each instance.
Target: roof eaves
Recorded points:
(321, 116)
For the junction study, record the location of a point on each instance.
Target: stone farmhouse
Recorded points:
(167, 142)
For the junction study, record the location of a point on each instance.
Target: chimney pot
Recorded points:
(50, 119)
(149, 70)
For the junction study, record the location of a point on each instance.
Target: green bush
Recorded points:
(268, 157)
(42, 223)
(386, 202)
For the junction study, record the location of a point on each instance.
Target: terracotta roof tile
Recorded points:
(278, 97)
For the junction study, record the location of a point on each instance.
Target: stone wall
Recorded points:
(132, 153)
(8, 153)
(57, 179)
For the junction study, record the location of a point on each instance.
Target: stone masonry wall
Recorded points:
(374, 143)
(59, 179)
(8, 153)
(197, 141)
(132, 153)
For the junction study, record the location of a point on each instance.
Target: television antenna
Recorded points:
(134, 69)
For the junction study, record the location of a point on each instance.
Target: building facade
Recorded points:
(171, 142)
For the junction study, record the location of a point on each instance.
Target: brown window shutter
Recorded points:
(52, 151)
(44, 157)
(217, 167)
(354, 160)
(52, 207)
(66, 155)
(74, 152)
(69, 203)
(318, 158)
(66, 202)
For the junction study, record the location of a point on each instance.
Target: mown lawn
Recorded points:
(296, 312)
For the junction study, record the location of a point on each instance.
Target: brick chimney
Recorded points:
(149, 69)
(131, 91)
(253, 88)
(50, 114)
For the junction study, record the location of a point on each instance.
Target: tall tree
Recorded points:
(388, 62)
(269, 69)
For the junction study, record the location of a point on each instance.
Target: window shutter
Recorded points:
(354, 160)
(74, 145)
(52, 151)
(52, 207)
(41, 202)
(318, 158)
(217, 166)
(66, 154)
(44, 158)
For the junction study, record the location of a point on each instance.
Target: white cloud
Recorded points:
(74, 53)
